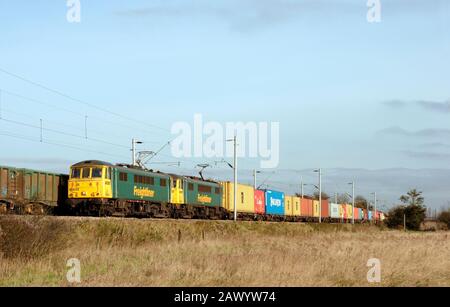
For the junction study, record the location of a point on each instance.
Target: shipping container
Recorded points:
(260, 205)
(245, 197)
(274, 202)
(361, 214)
(288, 211)
(296, 207)
(325, 208)
(377, 215)
(334, 211)
(370, 215)
(343, 211)
(349, 211)
(366, 217)
(306, 207)
(356, 213)
(315, 208)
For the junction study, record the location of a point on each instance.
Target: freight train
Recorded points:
(103, 189)
(98, 188)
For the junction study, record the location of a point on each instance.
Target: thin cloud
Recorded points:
(242, 15)
(418, 133)
(441, 107)
(427, 155)
(434, 106)
(435, 145)
(395, 103)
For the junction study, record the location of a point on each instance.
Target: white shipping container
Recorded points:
(334, 211)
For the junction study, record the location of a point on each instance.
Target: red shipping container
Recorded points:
(325, 212)
(306, 207)
(260, 204)
(374, 215)
(356, 213)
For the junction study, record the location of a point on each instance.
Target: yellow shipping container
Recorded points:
(341, 211)
(316, 208)
(296, 208)
(349, 209)
(245, 197)
(287, 205)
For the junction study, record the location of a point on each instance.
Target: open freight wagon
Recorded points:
(26, 191)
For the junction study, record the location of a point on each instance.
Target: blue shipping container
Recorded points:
(274, 202)
(370, 215)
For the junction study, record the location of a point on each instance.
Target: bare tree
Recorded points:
(324, 196)
(343, 198)
(361, 202)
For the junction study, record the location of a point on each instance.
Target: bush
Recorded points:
(415, 215)
(444, 217)
(30, 238)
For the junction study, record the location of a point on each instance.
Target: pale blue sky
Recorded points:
(318, 67)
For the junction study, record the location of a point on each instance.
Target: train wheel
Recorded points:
(3, 209)
(33, 209)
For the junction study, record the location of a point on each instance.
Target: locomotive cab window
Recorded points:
(76, 172)
(96, 172)
(108, 173)
(86, 172)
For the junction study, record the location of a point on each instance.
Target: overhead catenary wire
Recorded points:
(79, 100)
(41, 128)
(100, 121)
(56, 143)
(95, 132)
(9, 111)
(81, 115)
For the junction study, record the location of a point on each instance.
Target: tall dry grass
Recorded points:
(129, 252)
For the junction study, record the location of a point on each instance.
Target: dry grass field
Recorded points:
(130, 252)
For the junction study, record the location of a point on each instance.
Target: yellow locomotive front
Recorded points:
(90, 180)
